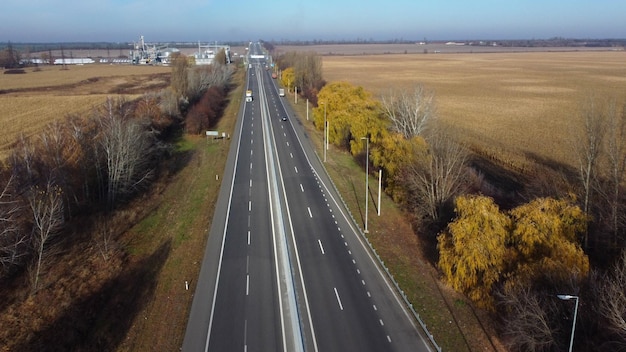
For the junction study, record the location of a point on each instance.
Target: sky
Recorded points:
(242, 20)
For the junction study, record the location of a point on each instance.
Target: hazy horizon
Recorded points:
(48, 21)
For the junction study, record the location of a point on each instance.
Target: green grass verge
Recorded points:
(181, 220)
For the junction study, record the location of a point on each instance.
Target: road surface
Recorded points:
(285, 268)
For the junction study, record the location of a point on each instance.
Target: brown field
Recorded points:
(514, 105)
(414, 48)
(30, 101)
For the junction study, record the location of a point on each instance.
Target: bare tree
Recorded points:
(220, 58)
(169, 103)
(588, 145)
(180, 65)
(436, 175)
(13, 241)
(47, 209)
(527, 326)
(127, 145)
(23, 161)
(204, 77)
(613, 298)
(410, 113)
(614, 169)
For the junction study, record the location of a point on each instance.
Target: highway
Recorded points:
(285, 269)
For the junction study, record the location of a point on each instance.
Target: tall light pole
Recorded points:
(567, 298)
(325, 132)
(367, 171)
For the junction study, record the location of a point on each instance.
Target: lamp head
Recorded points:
(566, 297)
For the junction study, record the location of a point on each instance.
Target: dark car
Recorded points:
(284, 118)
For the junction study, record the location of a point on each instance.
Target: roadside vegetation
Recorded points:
(76, 274)
(510, 253)
(104, 211)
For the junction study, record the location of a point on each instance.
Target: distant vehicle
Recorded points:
(284, 118)
(274, 75)
(281, 92)
(248, 96)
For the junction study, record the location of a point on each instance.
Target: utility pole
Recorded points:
(380, 182)
(367, 170)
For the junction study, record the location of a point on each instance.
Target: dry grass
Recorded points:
(511, 104)
(137, 299)
(28, 115)
(53, 76)
(30, 101)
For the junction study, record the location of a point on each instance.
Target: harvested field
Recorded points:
(517, 105)
(30, 101)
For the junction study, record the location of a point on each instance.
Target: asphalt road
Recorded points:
(286, 269)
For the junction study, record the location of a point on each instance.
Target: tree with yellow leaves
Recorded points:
(351, 113)
(472, 250)
(545, 243)
(288, 78)
(393, 153)
(534, 244)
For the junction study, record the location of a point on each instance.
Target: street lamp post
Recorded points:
(367, 165)
(567, 298)
(325, 132)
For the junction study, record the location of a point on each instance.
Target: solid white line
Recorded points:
(338, 299)
(245, 335)
(301, 188)
(219, 265)
(361, 240)
(321, 247)
(310, 214)
(269, 146)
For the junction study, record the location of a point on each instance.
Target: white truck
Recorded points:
(281, 92)
(248, 95)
